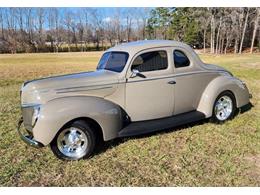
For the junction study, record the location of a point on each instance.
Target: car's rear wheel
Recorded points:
(224, 107)
(74, 142)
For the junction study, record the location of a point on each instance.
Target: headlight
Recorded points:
(35, 115)
(31, 113)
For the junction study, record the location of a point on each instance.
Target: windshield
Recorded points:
(114, 61)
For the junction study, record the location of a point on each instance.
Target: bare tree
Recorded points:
(110, 32)
(236, 16)
(227, 28)
(40, 13)
(218, 35)
(87, 34)
(80, 28)
(97, 22)
(118, 25)
(46, 29)
(2, 22)
(58, 40)
(244, 31)
(29, 25)
(256, 24)
(11, 29)
(212, 30)
(204, 20)
(68, 24)
(51, 25)
(141, 15)
(128, 25)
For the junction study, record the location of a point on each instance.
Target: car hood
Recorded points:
(72, 80)
(98, 83)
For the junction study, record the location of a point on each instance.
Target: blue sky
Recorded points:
(106, 13)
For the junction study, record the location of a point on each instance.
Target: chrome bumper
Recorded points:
(28, 139)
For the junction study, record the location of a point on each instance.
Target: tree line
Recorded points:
(215, 30)
(68, 29)
(220, 29)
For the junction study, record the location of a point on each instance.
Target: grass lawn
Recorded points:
(203, 154)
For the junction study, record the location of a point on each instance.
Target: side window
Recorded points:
(151, 61)
(180, 59)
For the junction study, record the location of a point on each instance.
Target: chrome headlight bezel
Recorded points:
(31, 113)
(36, 114)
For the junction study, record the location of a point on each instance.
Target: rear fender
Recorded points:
(218, 85)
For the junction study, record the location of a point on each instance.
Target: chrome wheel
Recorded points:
(72, 142)
(223, 108)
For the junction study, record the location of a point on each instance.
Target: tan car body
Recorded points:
(107, 97)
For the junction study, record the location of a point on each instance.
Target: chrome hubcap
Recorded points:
(223, 108)
(72, 142)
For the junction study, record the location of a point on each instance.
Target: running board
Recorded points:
(142, 127)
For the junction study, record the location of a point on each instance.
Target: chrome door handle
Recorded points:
(172, 82)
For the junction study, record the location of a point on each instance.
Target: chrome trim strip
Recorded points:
(29, 105)
(83, 90)
(78, 87)
(173, 76)
(196, 72)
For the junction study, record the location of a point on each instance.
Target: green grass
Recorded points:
(204, 154)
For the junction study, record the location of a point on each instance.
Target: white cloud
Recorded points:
(107, 19)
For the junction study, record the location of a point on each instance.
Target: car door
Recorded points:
(151, 97)
(190, 80)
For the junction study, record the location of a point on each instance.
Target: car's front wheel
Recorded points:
(224, 107)
(74, 142)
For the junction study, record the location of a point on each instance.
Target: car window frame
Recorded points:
(149, 51)
(126, 64)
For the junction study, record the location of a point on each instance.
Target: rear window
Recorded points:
(180, 59)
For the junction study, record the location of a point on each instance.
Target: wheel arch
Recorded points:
(55, 114)
(91, 122)
(215, 88)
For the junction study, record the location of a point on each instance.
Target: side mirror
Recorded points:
(136, 73)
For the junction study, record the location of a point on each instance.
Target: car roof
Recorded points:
(137, 46)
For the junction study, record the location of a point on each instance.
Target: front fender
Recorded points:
(56, 113)
(218, 85)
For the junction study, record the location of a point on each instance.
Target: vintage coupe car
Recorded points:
(138, 87)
